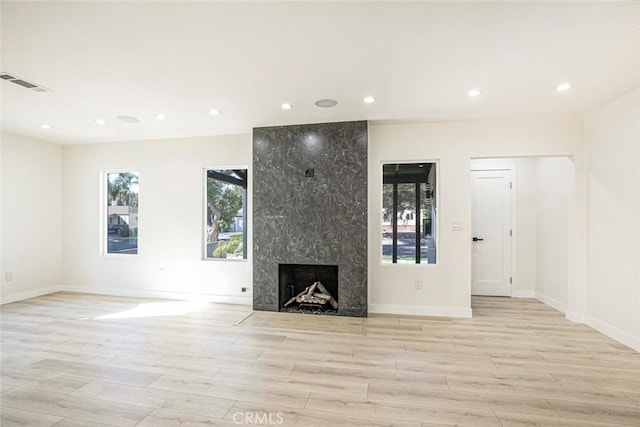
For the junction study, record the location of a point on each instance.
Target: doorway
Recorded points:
(538, 233)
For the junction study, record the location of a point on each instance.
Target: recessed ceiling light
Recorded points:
(214, 112)
(563, 87)
(473, 92)
(101, 122)
(369, 100)
(286, 106)
(326, 103)
(160, 116)
(127, 119)
(45, 126)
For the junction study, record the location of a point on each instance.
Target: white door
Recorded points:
(491, 231)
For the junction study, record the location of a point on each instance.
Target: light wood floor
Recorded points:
(88, 360)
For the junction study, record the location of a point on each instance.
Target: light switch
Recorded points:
(456, 226)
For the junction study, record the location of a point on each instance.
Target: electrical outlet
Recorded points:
(418, 284)
(8, 276)
(243, 289)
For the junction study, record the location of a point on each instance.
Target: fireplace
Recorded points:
(309, 193)
(308, 288)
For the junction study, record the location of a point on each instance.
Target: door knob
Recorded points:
(477, 239)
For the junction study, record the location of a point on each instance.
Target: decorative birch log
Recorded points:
(286, 304)
(322, 289)
(310, 295)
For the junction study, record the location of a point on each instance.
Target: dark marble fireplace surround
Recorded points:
(310, 207)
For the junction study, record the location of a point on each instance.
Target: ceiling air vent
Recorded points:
(22, 82)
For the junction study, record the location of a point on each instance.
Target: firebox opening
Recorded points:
(308, 288)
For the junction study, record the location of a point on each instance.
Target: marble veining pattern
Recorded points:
(311, 220)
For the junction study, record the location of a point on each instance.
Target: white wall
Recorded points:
(526, 244)
(554, 192)
(2, 276)
(169, 261)
(31, 217)
(612, 150)
(446, 289)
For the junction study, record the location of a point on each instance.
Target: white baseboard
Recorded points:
(551, 302)
(19, 296)
(524, 294)
(613, 332)
(574, 316)
(140, 293)
(419, 310)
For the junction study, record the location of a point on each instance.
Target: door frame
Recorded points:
(504, 165)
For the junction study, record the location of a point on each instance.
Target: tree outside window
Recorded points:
(226, 207)
(122, 213)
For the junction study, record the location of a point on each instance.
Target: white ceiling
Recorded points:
(419, 59)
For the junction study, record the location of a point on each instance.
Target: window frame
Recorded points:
(104, 211)
(436, 162)
(245, 225)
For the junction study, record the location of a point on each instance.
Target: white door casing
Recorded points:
(491, 225)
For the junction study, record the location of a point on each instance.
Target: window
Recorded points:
(225, 233)
(409, 213)
(122, 212)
